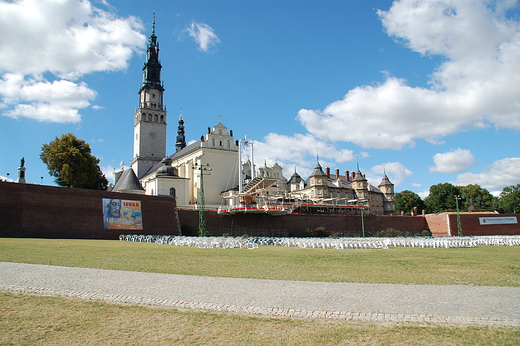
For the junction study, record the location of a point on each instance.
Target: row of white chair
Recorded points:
(325, 243)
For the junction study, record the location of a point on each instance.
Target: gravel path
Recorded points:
(476, 305)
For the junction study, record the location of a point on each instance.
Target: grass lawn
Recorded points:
(40, 320)
(483, 265)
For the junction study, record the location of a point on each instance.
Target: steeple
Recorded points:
(150, 117)
(152, 67)
(181, 139)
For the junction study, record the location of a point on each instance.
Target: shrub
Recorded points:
(318, 232)
(390, 232)
(426, 233)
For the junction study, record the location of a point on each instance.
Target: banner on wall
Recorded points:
(122, 214)
(504, 220)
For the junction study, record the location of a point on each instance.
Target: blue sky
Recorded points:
(428, 91)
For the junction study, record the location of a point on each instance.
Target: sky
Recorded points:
(425, 91)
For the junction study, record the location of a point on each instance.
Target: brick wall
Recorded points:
(28, 210)
(443, 225)
(38, 211)
(295, 225)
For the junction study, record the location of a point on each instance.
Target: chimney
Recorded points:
(327, 171)
(347, 175)
(337, 174)
(353, 175)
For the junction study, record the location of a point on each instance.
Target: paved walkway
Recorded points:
(345, 301)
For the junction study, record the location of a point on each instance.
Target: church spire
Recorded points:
(181, 139)
(152, 67)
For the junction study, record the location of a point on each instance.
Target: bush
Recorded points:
(390, 232)
(426, 233)
(318, 232)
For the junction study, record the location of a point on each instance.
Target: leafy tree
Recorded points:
(510, 199)
(442, 198)
(69, 160)
(406, 201)
(480, 197)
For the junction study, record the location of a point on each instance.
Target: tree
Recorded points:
(406, 201)
(480, 197)
(70, 160)
(510, 199)
(441, 198)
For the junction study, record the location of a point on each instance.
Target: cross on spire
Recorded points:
(153, 23)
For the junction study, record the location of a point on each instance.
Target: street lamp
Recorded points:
(361, 207)
(203, 170)
(459, 224)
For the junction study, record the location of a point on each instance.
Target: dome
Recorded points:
(166, 169)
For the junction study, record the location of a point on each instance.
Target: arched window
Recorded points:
(149, 117)
(155, 118)
(162, 118)
(172, 192)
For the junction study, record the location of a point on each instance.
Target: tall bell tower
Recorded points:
(150, 117)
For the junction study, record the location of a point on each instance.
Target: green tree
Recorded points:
(70, 160)
(480, 197)
(510, 199)
(441, 198)
(406, 201)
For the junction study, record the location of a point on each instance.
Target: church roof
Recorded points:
(128, 181)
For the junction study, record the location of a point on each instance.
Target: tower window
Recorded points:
(155, 118)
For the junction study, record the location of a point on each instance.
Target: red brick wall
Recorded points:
(28, 210)
(295, 225)
(443, 225)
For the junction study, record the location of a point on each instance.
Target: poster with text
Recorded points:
(122, 214)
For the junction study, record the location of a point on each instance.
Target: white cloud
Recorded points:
(424, 194)
(203, 35)
(477, 85)
(298, 149)
(395, 171)
(455, 161)
(39, 99)
(6, 179)
(501, 173)
(46, 45)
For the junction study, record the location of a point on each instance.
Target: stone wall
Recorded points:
(38, 211)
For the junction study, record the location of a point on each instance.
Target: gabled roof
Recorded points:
(128, 181)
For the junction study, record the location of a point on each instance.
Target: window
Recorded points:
(172, 192)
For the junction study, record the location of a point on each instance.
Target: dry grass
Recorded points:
(40, 320)
(483, 265)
